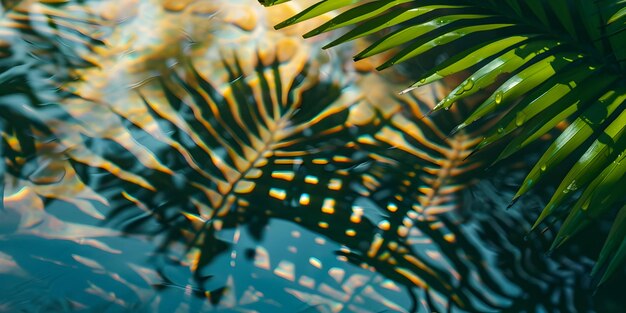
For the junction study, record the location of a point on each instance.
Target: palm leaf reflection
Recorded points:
(279, 145)
(41, 43)
(365, 196)
(59, 32)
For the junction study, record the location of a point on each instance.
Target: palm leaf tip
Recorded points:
(268, 3)
(552, 64)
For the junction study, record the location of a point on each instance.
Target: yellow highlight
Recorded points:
(305, 199)
(253, 173)
(393, 246)
(378, 241)
(436, 225)
(310, 179)
(419, 264)
(366, 139)
(407, 222)
(289, 161)
(334, 184)
(329, 206)
(412, 277)
(194, 258)
(449, 237)
(357, 212)
(403, 231)
(355, 218)
(320, 161)
(392, 207)
(384, 225)
(351, 232)
(244, 187)
(284, 175)
(323, 225)
(315, 262)
(370, 181)
(196, 221)
(279, 194)
(340, 158)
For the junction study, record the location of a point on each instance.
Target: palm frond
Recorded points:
(550, 54)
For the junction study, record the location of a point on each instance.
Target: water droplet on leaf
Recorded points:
(469, 84)
(498, 97)
(572, 186)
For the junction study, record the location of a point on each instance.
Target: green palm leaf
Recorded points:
(550, 54)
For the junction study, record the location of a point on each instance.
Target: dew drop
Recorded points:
(543, 168)
(520, 119)
(572, 186)
(469, 84)
(500, 130)
(446, 108)
(499, 97)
